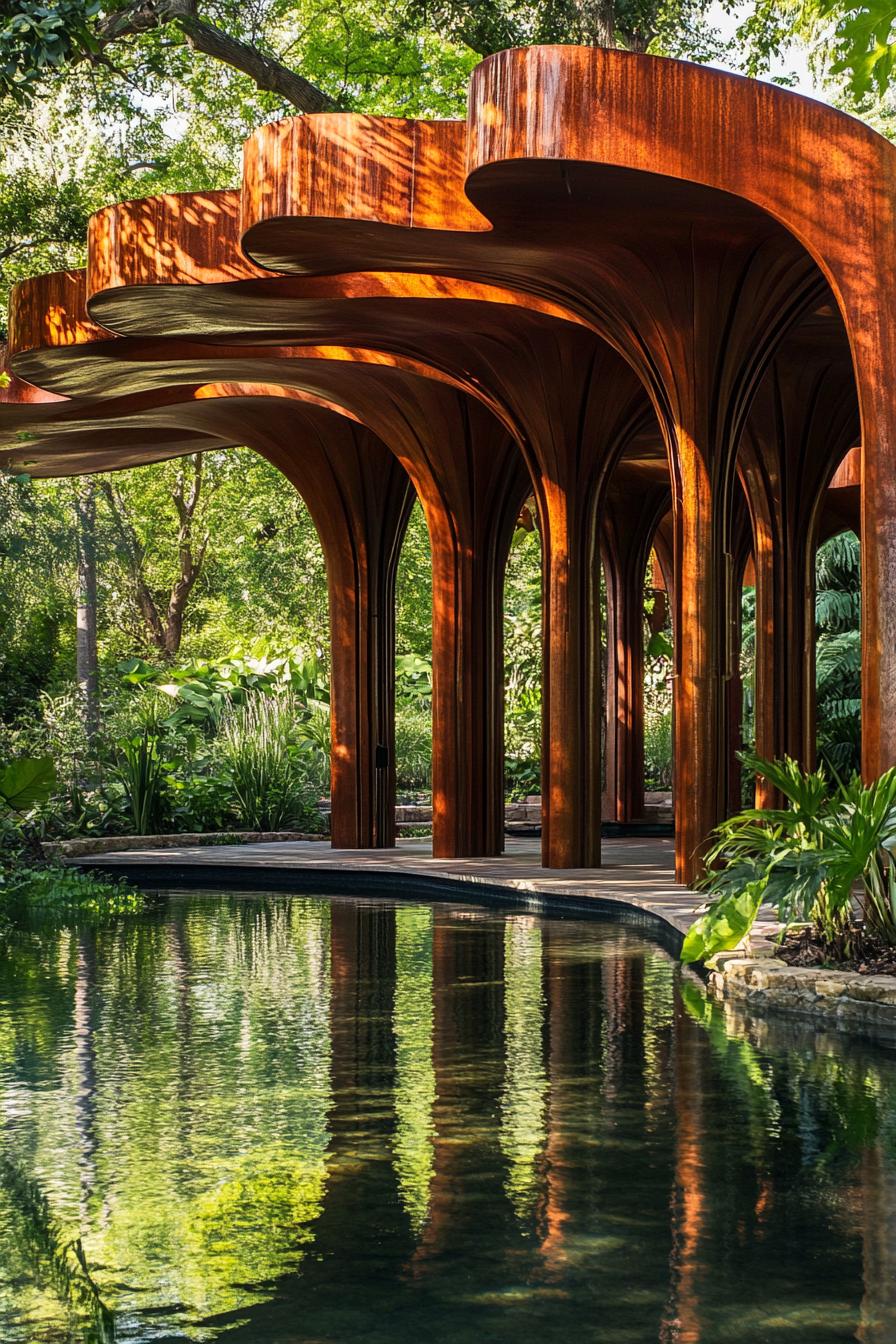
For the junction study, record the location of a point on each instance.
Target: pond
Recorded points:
(267, 1118)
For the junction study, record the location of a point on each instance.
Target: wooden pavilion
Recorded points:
(653, 296)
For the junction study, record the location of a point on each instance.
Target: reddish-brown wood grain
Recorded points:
(621, 277)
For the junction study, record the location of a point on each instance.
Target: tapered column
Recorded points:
(470, 544)
(359, 497)
(803, 420)
(467, 714)
(571, 714)
(702, 581)
(361, 570)
(578, 405)
(471, 481)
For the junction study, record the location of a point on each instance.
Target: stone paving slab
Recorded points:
(637, 872)
(637, 875)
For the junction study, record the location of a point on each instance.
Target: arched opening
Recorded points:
(523, 673)
(413, 680)
(838, 654)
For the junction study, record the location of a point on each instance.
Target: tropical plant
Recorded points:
(413, 680)
(200, 691)
(826, 857)
(26, 783)
(413, 749)
(658, 750)
(141, 771)
(267, 762)
(522, 777)
(838, 614)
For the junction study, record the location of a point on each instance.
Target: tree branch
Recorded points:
(265, 72)
(133, 555)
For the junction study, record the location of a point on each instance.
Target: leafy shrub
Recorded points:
(268, 763)
(199, 693)
(413, 681)
(29, 887)
(805, 860)
(522, 777)
(838, 666)
(658, 750)
(141, 771)
(55, 895)
(413, 749)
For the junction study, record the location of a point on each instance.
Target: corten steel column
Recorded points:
(629, 518)
(803, 420)
(576, 405)
(742, 303)
(471, 481)
(469, 555)
(359, 497)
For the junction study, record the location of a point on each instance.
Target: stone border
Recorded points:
(120, 844)
(751, 976)
(403, 883)
(844, 999)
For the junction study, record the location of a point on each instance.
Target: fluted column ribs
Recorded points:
(803, 420)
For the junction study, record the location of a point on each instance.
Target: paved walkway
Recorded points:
(637, 871)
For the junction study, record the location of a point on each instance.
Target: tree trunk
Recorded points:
(596, 22)
(87, 673)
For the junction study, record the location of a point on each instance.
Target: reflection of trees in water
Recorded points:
(206, 1123)
(819, 1108)
(253, 1064)
(415, 1079)
(524, 1095)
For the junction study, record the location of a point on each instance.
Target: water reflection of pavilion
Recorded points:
(341, 1113)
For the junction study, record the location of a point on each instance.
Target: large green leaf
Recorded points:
(723, 925)
(27, 782)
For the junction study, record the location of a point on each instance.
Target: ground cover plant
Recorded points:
(32, 890)
(826, 858)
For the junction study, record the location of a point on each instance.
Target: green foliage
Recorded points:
(725, 924)
(804, 860)
(413, 680)
(413, 749)
(35, 38)
(854, 40)
(523, 665)
(30, 889)
(658, 749)
(140, 770)
(27, 782)
(267, 763)
(202, 690)
(53, 895)
(838, 668)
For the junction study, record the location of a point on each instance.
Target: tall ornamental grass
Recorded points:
(266, 761)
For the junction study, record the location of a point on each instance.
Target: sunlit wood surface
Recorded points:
(653, 296)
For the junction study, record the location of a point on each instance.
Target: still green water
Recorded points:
(276, 1119)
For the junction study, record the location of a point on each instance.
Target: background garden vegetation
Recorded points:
(210, 582)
